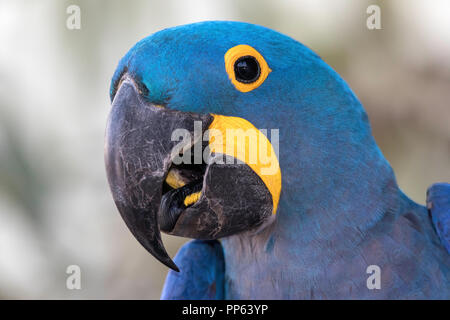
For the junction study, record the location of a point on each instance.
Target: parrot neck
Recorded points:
(351, 188)
(328, 209)
(336, 186)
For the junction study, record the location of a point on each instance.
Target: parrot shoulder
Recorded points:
(438, 204)
(201, 275)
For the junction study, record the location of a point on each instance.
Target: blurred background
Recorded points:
(55, 206)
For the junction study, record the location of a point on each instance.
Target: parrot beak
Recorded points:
(138, 153)
(207, 199)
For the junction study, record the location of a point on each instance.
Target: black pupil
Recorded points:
(246, 69)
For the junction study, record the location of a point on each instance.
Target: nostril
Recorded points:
(117, 81)
(142, 88)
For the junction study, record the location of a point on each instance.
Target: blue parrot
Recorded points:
(328, 222)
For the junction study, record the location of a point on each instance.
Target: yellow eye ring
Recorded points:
(246, 67)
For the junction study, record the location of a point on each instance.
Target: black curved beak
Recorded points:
(138, 154)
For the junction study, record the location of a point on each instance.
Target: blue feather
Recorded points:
(438, 202)
(201, 275)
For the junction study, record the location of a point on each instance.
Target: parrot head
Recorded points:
(207, 118)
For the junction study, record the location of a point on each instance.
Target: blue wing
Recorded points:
(201, 276)
(438, 203)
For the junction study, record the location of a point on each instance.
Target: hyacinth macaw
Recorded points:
(310, 228)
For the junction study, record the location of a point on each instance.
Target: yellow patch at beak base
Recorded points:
(238, 138)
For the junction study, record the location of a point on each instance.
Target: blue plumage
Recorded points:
(340, 210)
(438, 203)
(203, 272)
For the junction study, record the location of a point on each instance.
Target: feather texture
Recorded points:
(438, 203)
(201, 275)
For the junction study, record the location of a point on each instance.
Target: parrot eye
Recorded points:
(246, 67)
